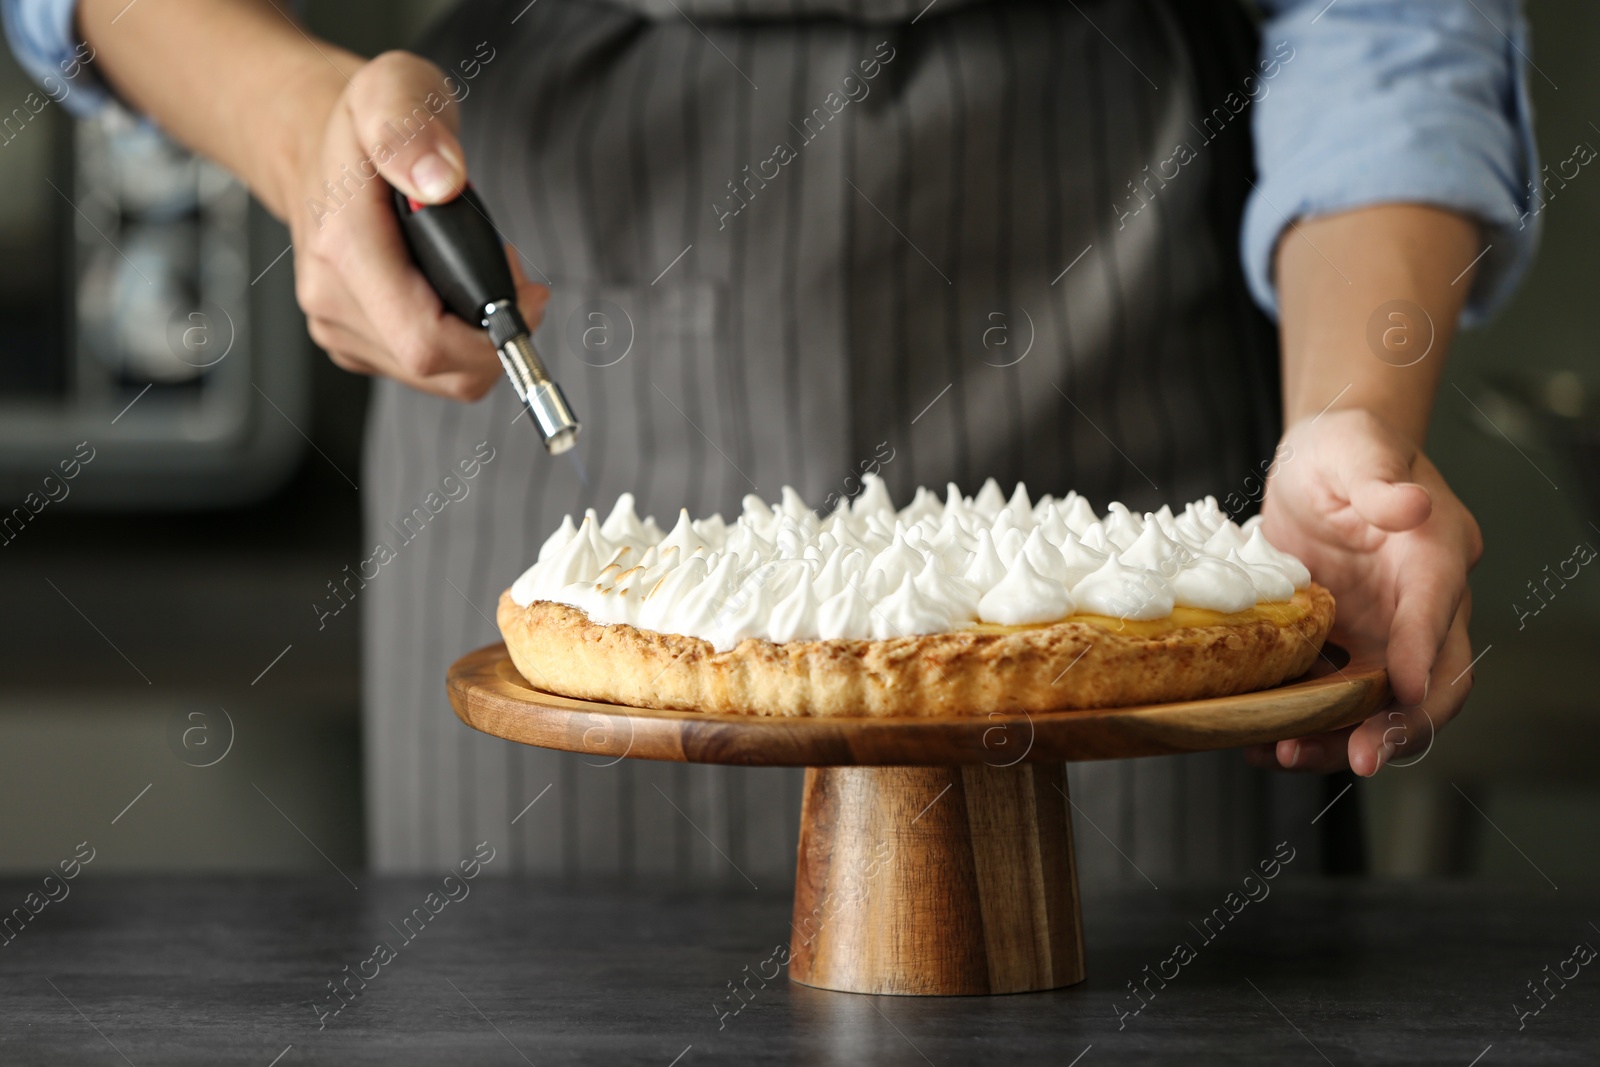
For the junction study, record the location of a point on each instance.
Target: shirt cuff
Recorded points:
(43, 38)
(1389, 103)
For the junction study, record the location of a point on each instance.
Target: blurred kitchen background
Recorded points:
(220, 498)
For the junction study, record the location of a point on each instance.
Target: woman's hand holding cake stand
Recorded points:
(1376, 523)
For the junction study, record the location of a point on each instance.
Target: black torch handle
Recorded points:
(459, 252)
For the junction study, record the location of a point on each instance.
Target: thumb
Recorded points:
(1391, 506)
(406, 121)
(1376, 470)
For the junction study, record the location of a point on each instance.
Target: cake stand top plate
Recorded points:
(490, 695)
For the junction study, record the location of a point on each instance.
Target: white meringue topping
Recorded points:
(907, 613)
(844, 615)
(1258, 550)
(779, 572)
(986, 568)
(1125, 592)
(1270, 582)
(1025, 596)
(1213, 584)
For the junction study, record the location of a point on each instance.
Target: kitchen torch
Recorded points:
(458, 250)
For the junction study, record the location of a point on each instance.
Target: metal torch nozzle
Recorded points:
(558, 427)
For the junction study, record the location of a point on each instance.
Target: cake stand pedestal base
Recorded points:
(936, 881)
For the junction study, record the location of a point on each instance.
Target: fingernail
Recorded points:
(435, 179)
(1307, 753)
(1385, 750)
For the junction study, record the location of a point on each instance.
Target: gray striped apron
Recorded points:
(785, 240)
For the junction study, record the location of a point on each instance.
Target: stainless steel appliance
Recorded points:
(147, 317)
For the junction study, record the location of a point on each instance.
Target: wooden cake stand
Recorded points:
(935, 853)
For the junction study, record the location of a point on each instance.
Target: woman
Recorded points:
(778, 240)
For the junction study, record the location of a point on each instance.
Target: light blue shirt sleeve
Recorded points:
(45, 42)
(1385, 101)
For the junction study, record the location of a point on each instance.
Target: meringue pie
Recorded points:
(961, 606)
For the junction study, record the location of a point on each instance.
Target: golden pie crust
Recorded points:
(1085, 661)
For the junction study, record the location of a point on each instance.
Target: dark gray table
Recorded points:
(182, 971)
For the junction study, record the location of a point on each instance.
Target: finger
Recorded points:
(1399, 733)
(1317, 753)
(1391, 506)
(327, 300)
(340, 346)
(361, 245)
(353, 351)
(397, 109)
(531, 297)
(405, 121)
(408, 320)
(1431, 587)
(1456, 666)
(1375, 468)
(340, 328)
(1264, 756)
(1404, 733)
